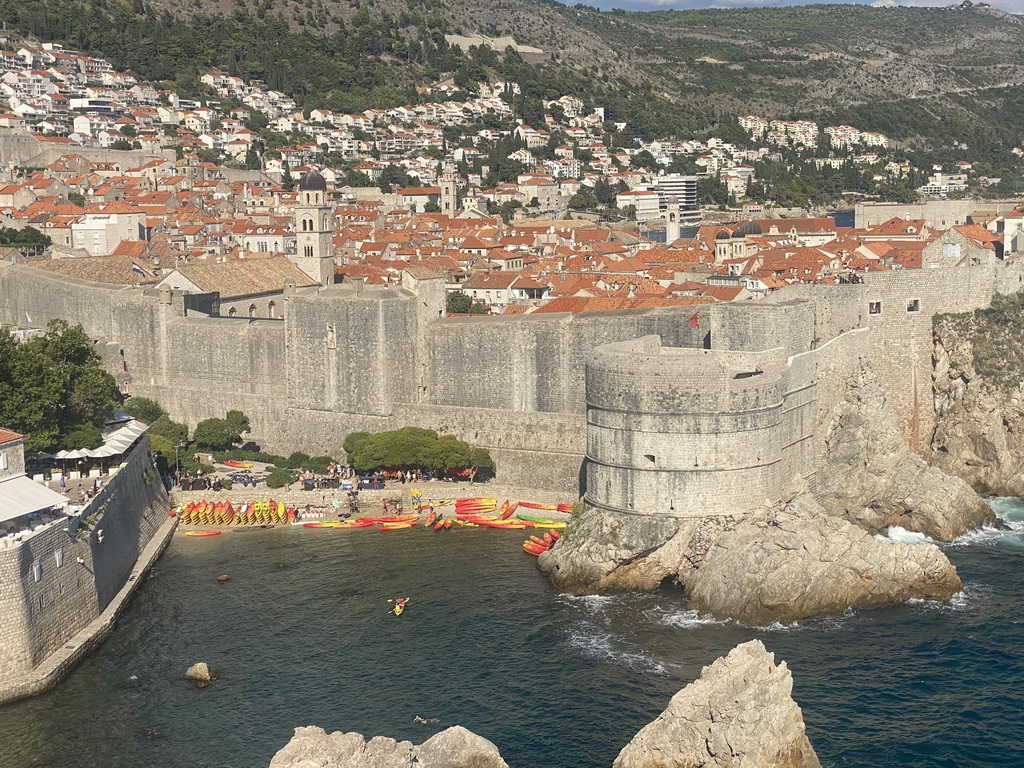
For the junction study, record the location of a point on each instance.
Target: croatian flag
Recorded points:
(136, 269)
(695, 320)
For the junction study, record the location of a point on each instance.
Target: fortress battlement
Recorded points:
(572, 402)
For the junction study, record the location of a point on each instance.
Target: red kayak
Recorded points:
(448, 525)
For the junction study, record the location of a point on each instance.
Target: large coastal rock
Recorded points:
(793, 561)
(870, 477)
(979, 399)
(739, 713)
(455, 747)
(613, 552)
(781, 563)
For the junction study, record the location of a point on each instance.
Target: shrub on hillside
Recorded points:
(143, 408)
(298, 460)
(278, 478)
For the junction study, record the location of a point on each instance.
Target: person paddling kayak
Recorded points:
(399, 604)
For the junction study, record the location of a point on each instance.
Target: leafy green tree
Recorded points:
(172, 431)
(355, 178)
(393, 175)
(143, 408)
(54, 385)
(84, 436)
(409, 447)
(216, 435)
(29, 236)
(76, 198)
(238, 421)
(298, 460)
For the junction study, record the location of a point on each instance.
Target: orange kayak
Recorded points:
(202, 533)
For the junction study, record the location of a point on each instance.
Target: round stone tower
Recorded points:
(685, 432)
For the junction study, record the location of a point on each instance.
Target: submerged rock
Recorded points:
(869, 475)
(455, 747)
(224, 577)
(201, 673)
(739, 712)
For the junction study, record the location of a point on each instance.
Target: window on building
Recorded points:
(252, 310)
(261, 246)
(874, 307)
(37, 573)
(3, 461)
(232, 312)
(951, 250)
(914, 305)
(650, 458)
(270, 309)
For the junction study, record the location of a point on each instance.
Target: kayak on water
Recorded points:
(400, 603)
(202, 533)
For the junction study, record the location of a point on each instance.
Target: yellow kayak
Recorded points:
(550, 525)
(394, 526)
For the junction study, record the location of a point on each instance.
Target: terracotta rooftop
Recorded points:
(6, 436)
(245, 277)
(101, 269)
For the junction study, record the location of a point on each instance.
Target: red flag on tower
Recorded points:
(695, 319)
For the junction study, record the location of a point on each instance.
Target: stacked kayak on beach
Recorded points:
(261, 513)
(480, 512)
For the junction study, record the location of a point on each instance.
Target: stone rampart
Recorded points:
(535, 363)
(27, 151)
(938, 214)
(61, 578)
(355, 357)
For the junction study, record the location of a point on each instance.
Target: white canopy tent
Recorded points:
(115, 442)
(20, 496)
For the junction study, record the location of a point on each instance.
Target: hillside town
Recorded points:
(197, 217)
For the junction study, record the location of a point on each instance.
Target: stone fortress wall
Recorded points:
(354, 357)
(701, 432)
(60, 579)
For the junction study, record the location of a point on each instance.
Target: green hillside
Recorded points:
(924, 76)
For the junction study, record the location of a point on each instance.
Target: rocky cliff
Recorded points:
(739, 712)
(977, 362)
(870, 477)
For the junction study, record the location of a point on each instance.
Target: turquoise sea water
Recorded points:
(302, 635)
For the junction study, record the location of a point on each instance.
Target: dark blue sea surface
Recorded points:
(302, 635)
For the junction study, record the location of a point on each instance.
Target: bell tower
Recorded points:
(449, 198)
(314, 229)
(672, 221)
